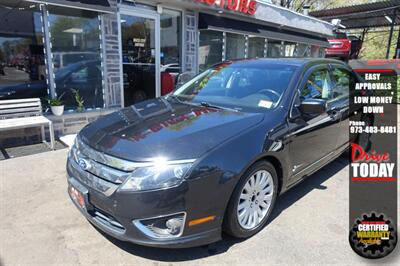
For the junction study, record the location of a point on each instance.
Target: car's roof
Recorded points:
(284, 61)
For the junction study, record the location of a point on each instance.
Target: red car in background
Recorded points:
(340, 46)
(344, 47)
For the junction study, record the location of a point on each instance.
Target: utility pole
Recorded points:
(391, 34)
(397, 53)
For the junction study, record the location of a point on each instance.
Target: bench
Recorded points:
(25, 113)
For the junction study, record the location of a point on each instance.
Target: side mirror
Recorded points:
(313, 106)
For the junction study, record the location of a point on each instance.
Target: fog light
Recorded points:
(170, 226)
(174, 225)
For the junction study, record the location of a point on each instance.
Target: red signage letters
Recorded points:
(243, 6)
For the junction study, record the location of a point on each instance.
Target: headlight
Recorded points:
(158, 176)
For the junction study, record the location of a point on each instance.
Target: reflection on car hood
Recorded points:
(159, 128)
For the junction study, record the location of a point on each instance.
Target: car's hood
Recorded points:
(160, 128)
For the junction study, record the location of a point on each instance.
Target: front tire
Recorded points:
(252, 201)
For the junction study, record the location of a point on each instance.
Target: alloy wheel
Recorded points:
(255, 199)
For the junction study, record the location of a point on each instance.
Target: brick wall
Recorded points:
(69, 123)
(190, 43)
(110, 29)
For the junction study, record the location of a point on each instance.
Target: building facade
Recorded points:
(115, 53)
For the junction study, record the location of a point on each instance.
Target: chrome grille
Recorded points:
(120, 164)
(103, 186)
(106, 167)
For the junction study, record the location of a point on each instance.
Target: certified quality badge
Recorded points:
(373, 236)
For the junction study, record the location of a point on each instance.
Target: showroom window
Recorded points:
(289, 49)
(256, 47)
(76, 52)
(274, 48)
(302, 50)
(315, 51)
(211, 48)
(235, 46)
(171, 36)
(22, 57)
(321, 52)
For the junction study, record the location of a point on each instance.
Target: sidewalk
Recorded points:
(41, 226)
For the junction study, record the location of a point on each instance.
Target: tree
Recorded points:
(297, 5)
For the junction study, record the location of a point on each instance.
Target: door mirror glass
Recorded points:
(313, 106)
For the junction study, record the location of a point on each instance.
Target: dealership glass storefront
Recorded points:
(135, 51)
(53, 51)
(22, 57)
(217, 46)
(75, 45)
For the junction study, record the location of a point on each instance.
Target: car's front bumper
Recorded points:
(114, 214)
(337, 52)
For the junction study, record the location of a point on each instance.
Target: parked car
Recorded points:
(213, 155)
(63, 59)
(340, 46)
(84, 76)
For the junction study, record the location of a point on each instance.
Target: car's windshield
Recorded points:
(241, 86)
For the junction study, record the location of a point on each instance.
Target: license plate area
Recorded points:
(78, 194)
(77, 197)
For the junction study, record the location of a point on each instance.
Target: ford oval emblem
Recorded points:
(84, 164)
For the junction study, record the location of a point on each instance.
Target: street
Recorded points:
(40, 226)
(13, 76)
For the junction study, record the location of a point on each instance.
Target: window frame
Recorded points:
(52, 86)
(182, 51)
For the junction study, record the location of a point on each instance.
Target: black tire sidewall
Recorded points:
(368, 122)
(231, 224)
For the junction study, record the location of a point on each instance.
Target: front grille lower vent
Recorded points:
(106, 220)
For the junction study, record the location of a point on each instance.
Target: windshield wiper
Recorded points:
(206, 104)
(176, 98)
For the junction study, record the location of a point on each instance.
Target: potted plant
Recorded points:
(57, 105)
(79, 101)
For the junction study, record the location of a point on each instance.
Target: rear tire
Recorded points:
(257, 200)
(363, 139)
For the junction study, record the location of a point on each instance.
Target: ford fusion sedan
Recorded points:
(214, 154)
